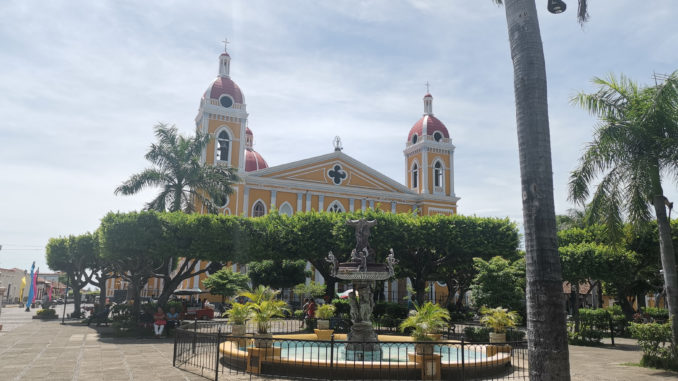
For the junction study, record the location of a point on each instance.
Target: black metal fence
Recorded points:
(210, 349)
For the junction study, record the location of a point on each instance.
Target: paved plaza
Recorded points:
(39, 350)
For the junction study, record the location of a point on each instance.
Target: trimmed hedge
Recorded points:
(655, 341)
(46, 314)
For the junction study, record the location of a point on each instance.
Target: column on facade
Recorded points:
(308, 202)
(274, 193)
(364, 204)
(300, 204)
(351, 206)
(393, 207)
(424, 171)
(246, 201)
(321, 203)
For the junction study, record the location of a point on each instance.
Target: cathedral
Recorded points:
(331, 182)
(334, 182)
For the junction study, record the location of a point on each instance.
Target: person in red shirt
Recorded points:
(311, 309)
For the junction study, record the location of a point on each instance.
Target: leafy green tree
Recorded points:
(187, 184)
(499, 283)
(77, 256)
(546, 325)
(226, 283)
(277, 274)
(633, 149)
(195, 238)
(133, 244)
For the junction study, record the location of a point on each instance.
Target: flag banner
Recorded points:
(31, 290)
(21, 289)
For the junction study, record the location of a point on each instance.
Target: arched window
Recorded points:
(415, 176)
(259, 209)
(438, 174)
(336, 207)
(286, 209)
(223, 146)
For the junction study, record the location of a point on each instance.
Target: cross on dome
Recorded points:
(226, 42)
(427, 87)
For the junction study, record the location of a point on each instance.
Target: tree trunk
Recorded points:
(640, 302)
(626, 307)
(546, 319)
(102, 293)
(77, 298)
(574, 301)
(668, 257)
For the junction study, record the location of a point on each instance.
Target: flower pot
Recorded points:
(423, 349)
(263, 340)
(238, 329)
(434, 336)
(324, 334)
(497, 337)
(323, 324)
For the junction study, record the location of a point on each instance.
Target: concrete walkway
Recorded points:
(39, 350)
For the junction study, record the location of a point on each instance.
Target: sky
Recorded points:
(82, 83)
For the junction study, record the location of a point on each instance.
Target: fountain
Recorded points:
(363, 271)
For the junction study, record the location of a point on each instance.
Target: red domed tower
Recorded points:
(253, 160)
(223, 114)
(429, 155)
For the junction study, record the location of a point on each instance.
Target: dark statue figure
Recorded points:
(362, 233)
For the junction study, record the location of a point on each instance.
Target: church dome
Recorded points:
(254, 161)
(428, 125)
(224, 85)
(223, 89)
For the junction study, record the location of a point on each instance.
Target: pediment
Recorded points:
(335, 169)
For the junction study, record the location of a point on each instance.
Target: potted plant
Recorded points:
(238, 316)
(498, 319)
(265, 308)
(324, 313)
(425, 321)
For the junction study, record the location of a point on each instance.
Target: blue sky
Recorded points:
(82, 83)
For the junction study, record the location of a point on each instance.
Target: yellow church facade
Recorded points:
(333, 182)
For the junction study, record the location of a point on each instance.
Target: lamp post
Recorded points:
(63, 316)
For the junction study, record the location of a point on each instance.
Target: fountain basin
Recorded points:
(303, 355)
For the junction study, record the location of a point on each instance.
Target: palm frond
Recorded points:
(148, 177)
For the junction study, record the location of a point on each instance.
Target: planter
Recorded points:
(423, 349)
(324, 334)
(263, 340)
(434, 336)
(238, 329)
(323, 324)
(497, 337)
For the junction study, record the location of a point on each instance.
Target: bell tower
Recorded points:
(223, 114)
(429, 155)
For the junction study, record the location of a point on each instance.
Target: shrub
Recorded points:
(459, 316)
(655, 341)
(477, 334)
(392, 309)
(586, 335)
(499, 318)
(298, 314)
(46, 313)
(427, 319)
(515, 335)
(658, 315)
(325, 311)
(342, 306)
(174, 303)
(239, 313)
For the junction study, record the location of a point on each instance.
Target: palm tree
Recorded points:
(546, 324)
(186, 183)
(634, 146)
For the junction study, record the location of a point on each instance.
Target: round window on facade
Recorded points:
(221, 201)
(414, 138)
(226, 101)
(437, 136)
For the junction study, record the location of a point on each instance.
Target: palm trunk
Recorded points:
(668, 257)
(546, 319)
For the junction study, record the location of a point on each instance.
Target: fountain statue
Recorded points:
(363, 272)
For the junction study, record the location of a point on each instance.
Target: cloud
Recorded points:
(84, 82)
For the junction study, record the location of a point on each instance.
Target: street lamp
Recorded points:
(556, 6)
